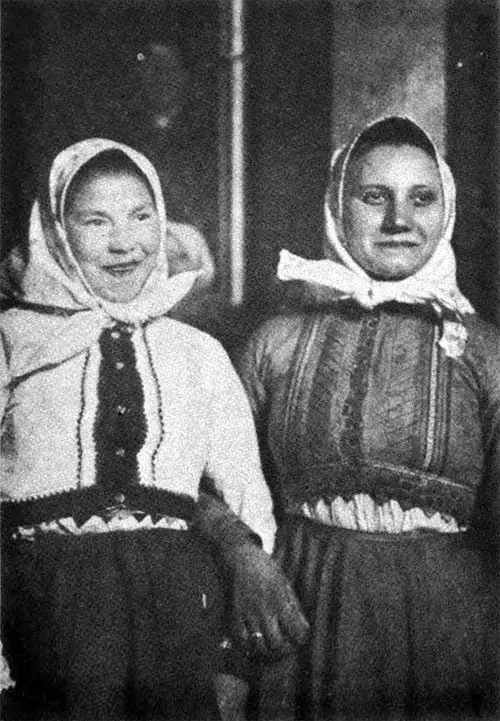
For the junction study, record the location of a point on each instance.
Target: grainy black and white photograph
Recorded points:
(250, 360)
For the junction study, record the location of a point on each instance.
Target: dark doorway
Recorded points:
(289, 136)
(473, 143)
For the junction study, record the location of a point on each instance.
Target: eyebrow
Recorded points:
(434, 187)
(103, 213)
(384, 185)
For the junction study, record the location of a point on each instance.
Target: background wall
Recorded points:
(388, 56)
(315, 70)
(438, 61)
(143, 72)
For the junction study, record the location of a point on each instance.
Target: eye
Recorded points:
(144, 215)
(94, 222)
(423, 198)
(374, 196)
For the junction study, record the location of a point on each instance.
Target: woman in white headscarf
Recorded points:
(111, 414)
(379, 413)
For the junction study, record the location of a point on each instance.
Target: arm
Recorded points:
(265, 614)
(233, 461)
(6, 681)
(265, 610)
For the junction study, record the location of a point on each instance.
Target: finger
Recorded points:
(240, 633)
(258, 636)
(277, 642)
(293, 620)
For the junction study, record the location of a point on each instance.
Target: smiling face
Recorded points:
(113, 229)
(393, 210)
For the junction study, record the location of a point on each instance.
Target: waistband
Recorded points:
(83, 504)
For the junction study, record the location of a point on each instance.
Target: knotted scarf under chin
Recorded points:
(369, 293)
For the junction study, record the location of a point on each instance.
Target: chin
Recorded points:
(124, 297)
(390, 275)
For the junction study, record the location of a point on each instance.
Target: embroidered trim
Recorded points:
(383, 482)
(83, 503)
(97, 525)
(79, 442)
(156, 382)
(352, 433)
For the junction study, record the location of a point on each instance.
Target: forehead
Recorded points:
(394, 165)
(101, 186)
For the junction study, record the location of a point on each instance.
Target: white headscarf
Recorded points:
(434, 284)
(53, 280)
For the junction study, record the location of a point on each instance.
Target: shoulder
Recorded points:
(172, 330)
(280, 328)
(186, 341)
(484, 337)
(273, 343)
(483, 351)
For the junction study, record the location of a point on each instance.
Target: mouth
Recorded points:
(119, 270)
(398, 244)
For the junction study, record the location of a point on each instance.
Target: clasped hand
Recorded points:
(266, 616)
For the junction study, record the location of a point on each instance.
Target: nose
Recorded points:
(120, 239)
(397, 218)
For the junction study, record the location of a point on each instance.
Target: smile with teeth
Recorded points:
(120, 269)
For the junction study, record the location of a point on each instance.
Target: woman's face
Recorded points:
(113, 230)
(393, 210)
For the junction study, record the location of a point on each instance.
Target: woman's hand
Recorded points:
(266, 615)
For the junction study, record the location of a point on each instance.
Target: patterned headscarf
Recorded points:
(52, 281)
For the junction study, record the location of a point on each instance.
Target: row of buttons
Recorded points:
(121, 410)
(116, 335)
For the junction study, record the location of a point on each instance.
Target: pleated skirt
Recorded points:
(123, 625)
(402, 627)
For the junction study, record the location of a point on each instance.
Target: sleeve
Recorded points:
(485, 360)
(490, 500)
(249, 365)
(4, 382)
(233, 460)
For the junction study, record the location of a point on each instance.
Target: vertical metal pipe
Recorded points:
(237, 238)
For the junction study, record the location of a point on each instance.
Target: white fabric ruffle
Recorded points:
(361, 513)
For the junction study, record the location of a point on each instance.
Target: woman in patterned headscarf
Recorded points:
(111, 414)
(379, 413)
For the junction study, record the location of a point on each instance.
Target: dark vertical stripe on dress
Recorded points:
(443, 412)
(120, 426)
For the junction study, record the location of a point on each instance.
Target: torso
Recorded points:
(367, 404)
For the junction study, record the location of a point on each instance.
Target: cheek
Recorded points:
(431, 226)
(434, 226)
(152, 239)
(359, 225)
(86, 247)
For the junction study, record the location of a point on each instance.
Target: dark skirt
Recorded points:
(403, 627)
(112, 626)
